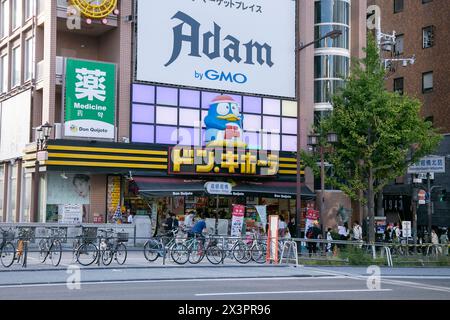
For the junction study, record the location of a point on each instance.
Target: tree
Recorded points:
(380, 133)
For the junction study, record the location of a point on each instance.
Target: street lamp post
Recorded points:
(315, 141)
(42, 135)
(333, 35)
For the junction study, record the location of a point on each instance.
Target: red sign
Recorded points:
(312, 214)
(238, 210)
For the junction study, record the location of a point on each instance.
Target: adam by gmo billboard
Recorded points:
(243, 46)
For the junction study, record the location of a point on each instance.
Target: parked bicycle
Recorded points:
(50, 247)
(25, 237)
(199, 247)
(7, 249)
(113, 247)
(158, 247)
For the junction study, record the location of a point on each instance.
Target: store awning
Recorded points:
(154, 187)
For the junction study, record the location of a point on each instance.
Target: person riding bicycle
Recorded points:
(197, 229)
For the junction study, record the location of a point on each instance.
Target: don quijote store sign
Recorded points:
(246, 46)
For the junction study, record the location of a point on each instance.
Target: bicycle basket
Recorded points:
(89, 233)
(9, 236)
(122, 236)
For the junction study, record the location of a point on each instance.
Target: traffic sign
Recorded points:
(406, 229)
(428, 164)
(422, 196)
(218, 188)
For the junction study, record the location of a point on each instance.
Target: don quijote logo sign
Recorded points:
(207, 45)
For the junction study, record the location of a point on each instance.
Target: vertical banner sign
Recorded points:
(262, 211)
(237, 221)
(273, 238)
(113, 193)
(90, 99)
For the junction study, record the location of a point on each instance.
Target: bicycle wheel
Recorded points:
(121, 253)
(55, 253)
(107, 256)
(258, 253)
(43, 251)
(87, 254)
(152, 249)
(8, 254)
(179, 253)
(196, 252)
(241, 252)
(214, 254)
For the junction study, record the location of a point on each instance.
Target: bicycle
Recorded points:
(198, 250)
(87, 252)
(25, 236)
(155, 248)
(115, 249)
(7, 249)
(51, 247)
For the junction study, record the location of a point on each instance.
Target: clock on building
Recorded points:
(96, 9)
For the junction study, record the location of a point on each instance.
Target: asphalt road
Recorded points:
(229, 283)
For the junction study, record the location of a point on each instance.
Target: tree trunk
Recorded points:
(371, 211)
(380, 207)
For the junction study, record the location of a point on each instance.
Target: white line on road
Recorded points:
(167, 280)
(286, 292)
(408, 284)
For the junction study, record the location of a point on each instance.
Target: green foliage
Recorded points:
(378, 130)
(356, 256)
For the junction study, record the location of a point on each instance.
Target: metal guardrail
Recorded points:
(289, 249)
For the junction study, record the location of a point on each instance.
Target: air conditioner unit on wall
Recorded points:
(58, 131)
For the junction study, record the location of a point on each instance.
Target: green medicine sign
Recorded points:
(90, 103)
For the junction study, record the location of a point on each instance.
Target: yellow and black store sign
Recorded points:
(107, 157)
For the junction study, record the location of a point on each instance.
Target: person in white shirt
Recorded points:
(282, 226)
(357, 231)
(189, 221)
(130, 217)
(329, 238)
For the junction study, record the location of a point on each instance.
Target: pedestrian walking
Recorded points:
(343, 233)
(312, 234)
(435, 242)
(282, 227)
(444, 241)
(329, 244)
(395, 236)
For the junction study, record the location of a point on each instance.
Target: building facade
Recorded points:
(421, 30)
(139, 167)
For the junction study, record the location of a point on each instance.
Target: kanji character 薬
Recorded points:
(90, 84)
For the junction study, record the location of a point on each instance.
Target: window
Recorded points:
(3, 19)
(29, 8)
(29, 58)
(398, 85)
(426, 1)
(15, 64)
(2, 181)
(428, 37)
(16, 14)
(3, 73)
(398, 48)
(398, 6)
(12, 193)
(427, 82)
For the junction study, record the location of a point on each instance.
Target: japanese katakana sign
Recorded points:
(428, 164)
(223, 161)
(90, 99)
(247, 6)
